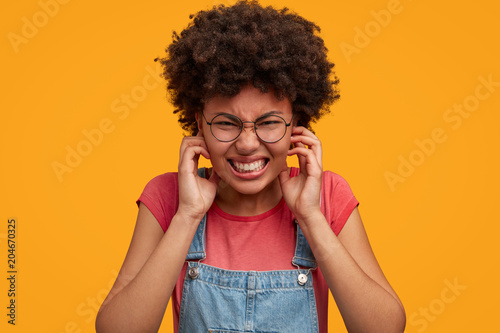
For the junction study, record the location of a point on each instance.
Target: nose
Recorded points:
(248, 140)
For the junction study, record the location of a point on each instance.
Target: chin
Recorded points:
(248, 188)
(245, 186)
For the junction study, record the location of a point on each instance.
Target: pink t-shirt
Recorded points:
(261, 243)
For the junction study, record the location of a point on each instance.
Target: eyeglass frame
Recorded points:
(251, 122)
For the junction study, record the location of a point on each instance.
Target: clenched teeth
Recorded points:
(248, 167)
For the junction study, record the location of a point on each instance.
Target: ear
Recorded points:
(199, 120)
(295, 120)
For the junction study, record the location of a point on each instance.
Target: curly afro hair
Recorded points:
(226, 48)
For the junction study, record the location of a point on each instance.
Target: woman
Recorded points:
(249, 245)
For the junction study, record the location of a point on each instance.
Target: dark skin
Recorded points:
(154, 261)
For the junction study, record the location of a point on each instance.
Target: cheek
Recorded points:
(217, 151)
(280, 152)
(213, 146)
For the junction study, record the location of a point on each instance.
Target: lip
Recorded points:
(248, 175)
(248, 159)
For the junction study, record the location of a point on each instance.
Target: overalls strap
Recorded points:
(197, 247)
(303, 254)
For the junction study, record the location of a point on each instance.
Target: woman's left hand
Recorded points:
(302, 192)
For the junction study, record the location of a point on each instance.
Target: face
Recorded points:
(247, 164)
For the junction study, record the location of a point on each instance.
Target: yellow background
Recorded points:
(73, 72)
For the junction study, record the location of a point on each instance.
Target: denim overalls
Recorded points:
(218, 300)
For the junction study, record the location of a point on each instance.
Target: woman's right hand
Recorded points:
(196, 194)
(155, 259)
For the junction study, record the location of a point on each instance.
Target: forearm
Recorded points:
(141, 304)
(364, 304)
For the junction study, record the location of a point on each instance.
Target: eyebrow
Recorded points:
(269, 113)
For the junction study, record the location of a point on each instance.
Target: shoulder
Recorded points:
(162, 181)
(338, 200)
(160, 195)
(162, 185)
(335, 183)
(331, 182)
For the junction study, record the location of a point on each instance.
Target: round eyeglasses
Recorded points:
(227, 127)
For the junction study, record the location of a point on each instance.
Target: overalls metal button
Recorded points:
(302, 279)
(193, 272)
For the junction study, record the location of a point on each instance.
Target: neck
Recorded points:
(235, 203)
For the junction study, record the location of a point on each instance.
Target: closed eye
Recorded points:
(225, 123)
(268, 122)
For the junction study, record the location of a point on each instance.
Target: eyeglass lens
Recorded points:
(226, 127)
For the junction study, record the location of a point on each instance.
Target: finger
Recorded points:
(284, 175)
(191, 141)
(189, 161)
(302, 159)
(312, 143)
(305, 140)
(307, 137)
(310, 163)
(302, 151)
(301, 130)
